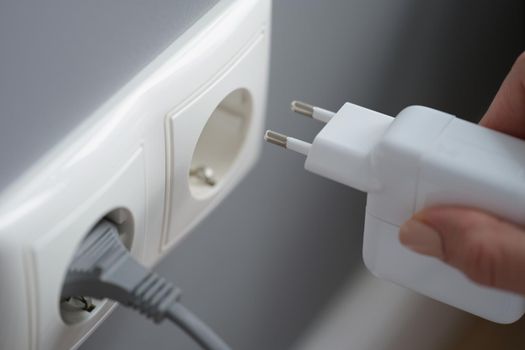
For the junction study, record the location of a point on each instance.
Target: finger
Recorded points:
(488, 250)
(507, 111)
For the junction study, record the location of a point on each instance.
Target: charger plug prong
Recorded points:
(287, 142)
(302, 108)
(311, 111)
(275, 138)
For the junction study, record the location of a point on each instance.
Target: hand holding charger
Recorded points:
(422, 158)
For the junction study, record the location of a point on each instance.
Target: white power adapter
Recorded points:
(421, 158)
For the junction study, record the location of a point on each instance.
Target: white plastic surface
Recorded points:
(429, 158)
(348, 138)
(422, 158)
(298, 146)
(235, 140)
(123, 157)
(321, 114)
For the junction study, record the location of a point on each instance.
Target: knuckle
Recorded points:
(480, 261)
(521, 58)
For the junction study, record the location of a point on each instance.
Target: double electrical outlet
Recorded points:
(154, 159)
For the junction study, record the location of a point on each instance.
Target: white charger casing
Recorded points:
(424, 158)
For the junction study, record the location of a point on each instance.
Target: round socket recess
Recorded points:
(79, 308)
(220, 142)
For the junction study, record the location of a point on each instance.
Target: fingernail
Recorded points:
(421, 238)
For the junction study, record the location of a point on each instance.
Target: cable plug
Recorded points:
(103, 268)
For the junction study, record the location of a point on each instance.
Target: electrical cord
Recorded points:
(104, 268)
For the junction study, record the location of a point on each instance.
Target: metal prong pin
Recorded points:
(275, 138)
(302, 108)
(287, 142)
(204, 174)
(311, 111)
(78, 303)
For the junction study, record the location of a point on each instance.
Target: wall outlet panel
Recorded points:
(200, 103)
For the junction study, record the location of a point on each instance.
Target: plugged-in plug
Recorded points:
(103, 268)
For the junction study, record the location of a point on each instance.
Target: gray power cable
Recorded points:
(103, 268)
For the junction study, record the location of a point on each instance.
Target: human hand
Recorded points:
(487, 249)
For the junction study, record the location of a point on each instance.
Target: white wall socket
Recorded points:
(200, 103)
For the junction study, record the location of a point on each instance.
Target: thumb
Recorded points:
(488, 250)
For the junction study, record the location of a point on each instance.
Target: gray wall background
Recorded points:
(60, 60)
(261, 267)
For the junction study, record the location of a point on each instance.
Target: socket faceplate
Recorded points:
(134, 152)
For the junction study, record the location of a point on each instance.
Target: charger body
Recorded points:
(419, 159)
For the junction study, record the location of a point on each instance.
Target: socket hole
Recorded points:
(77, 309)
(220, 142)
